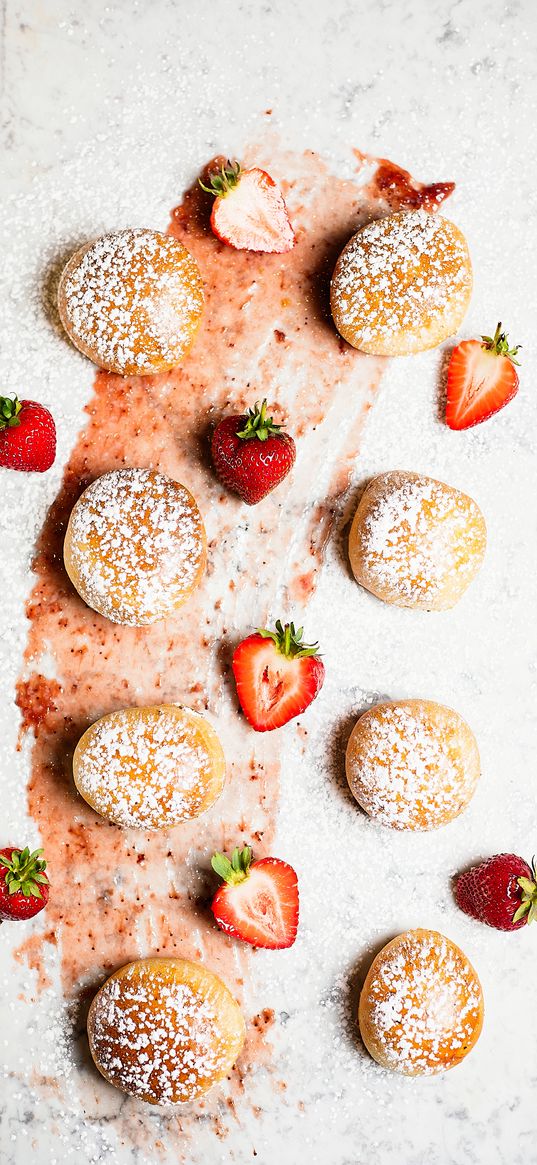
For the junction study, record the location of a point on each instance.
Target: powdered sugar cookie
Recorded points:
(412, 764)
(416, 542)
(421, 1007)
(135, 546)
(402, 284)
(150, 768)
(164, 1030)
(132, 301)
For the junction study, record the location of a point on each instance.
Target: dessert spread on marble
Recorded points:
(152, 535)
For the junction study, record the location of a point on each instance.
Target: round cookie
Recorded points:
(164, 1030)
(402, 284)
(416, 542)
(135, 546)
(150, 768)
(412, 764)
(421, 1006)
(132, 301)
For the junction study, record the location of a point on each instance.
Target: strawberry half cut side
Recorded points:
(481, 380)
(258, 902)
(277, 676)
(249, 212)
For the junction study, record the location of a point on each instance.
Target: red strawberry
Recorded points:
(24, 886)
(481, 379)
(258, 902)
(249, 212)
(501, 891)
(251, 455)
(27, 435)
(277, 676)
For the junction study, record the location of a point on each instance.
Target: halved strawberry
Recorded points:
(277, 676)
(481, 379)
(258, 902)
(249, 212)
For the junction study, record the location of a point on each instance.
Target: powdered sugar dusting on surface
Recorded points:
(417, 764)
(265, 326)
(136, 544)
(418, 536)
(425, 1001)
(162, 1036)
(88, 158)
(150, 769)
(402, 275)
(132, 300)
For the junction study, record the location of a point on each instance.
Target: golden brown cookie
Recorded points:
(132, 301)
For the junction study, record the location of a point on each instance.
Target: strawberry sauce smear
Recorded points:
(266, 332)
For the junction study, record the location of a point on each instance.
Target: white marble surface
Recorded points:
(109, 110)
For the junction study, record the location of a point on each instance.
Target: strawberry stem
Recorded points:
(288, 640)
(499, 345)
(25, 872)
(258, 424)
(10, 407)
(223, 180)
(528, 905)
(237, 869)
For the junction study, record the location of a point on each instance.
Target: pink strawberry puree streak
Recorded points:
(266, 332)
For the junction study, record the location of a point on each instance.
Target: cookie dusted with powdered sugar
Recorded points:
(165, 1030)
(150, 768)
(421, 1007)
(402, 284)
(412, 764)
(132, 301)
(416, 542)
(135, 546)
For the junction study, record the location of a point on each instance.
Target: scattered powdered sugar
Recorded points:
(421, 540)
(161, 1037)
(426, 1001)
(148, 768)
(136, 542)
(417, 764)
(400, 274)
(132, 300)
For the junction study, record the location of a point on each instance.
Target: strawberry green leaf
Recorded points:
(499, 345)
(10, 408)
(24, 872)
(233, 871)
(289, 641)
(258, 424)
(529, 897)
(223, 180)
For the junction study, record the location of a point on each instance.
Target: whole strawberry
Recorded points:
(24, 886)
(27, 435)
(501, 891)
(251, 455)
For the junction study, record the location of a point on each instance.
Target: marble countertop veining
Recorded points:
(108, 112)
